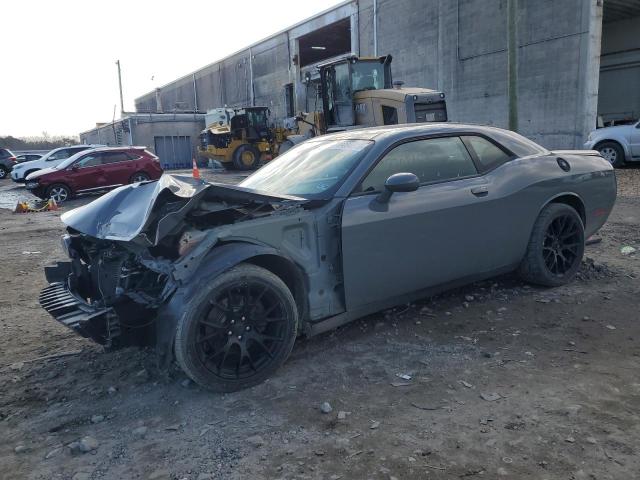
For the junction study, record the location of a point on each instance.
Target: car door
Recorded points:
(88, 173)
(118, 168)
(634, 141)
(434, 235)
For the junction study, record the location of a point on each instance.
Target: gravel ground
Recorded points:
(501, 380)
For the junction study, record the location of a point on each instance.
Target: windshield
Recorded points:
(367, 76)
(310, 169)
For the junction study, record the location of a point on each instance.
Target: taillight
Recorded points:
(13, 159)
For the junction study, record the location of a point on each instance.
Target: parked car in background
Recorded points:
(93, 171)
(225, 277)
(28, 157)
(48, 160)
(619, 144)
(7, 162)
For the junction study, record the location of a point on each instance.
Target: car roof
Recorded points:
(416, 129)
(115, 149)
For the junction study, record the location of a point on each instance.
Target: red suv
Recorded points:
(93, 171)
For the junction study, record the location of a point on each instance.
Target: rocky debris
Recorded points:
(88, 444)
(627, 250)
(112, 390)
(570, 439)
(342, 415)
(20, 449)
(374, 424)
(159, 474)
(591, 440)
(469, 298)
(186, 383)
(53, 453)
(490, 397)
(502, 472)
(610, 327)
(140, 431)
(81, 476)
(143, 375)
(325, 407)
(255, 441)
(97, 418)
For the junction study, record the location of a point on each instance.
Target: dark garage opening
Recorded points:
(619, 91)
(326, 42)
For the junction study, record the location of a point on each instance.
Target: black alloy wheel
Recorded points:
(556, 246)
(239, 331)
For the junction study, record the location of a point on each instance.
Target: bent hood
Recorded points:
(152, 209)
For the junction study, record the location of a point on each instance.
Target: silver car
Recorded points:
(225, 277)
(618, 144)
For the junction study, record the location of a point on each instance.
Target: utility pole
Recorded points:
(512, 63)
(120, 85)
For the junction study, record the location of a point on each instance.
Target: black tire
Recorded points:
(4, 172)
(228, 165)
(555, 248)
(612, 152)
(246, 157)
(228, 337)
(139, 177)
(59, 192)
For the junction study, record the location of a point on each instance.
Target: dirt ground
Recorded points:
(501, 380)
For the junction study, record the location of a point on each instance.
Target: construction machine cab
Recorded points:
(252, 123)
(341, 79)
(359, 92)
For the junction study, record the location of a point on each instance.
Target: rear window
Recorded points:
(5, 153)
(488, 154)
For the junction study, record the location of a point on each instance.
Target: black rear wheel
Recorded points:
(139, 177)
(4, 171)
(246, 157)
(238, 330)
(555, 248)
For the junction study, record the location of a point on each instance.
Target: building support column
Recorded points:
(591, 48)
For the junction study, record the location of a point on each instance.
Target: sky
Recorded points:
(57, 58)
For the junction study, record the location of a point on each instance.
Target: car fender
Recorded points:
(620, 137)
(217, 261)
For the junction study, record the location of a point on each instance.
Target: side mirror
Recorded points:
(398, 182)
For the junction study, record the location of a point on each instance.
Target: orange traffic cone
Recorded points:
(196, 172)
(52, 205)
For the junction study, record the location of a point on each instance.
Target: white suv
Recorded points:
(48, 160)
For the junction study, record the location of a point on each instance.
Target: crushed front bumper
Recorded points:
(72, 311)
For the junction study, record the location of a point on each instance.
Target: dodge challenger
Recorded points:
(224, 278)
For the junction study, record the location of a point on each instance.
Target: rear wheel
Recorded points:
(237, 330)
(59, 192)
(555, 248)
(139, 177)
(246, 157)
(612, 152)
(4, 171)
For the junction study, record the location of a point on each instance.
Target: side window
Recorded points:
(61, 155)
(114, 157)
(90, 161)
(431, 160)
(489, 155)
(389, 115)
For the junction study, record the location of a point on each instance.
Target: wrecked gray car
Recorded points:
(224, 278)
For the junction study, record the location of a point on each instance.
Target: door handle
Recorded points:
(481, 191)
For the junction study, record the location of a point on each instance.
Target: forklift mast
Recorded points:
(341, 79)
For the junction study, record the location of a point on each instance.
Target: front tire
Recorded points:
(59, 193)
(246, 157)
(237, 330)
(139, 177)
(612, 152)
(555, 248)
(4, 172)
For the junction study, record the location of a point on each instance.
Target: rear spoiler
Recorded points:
(588, 153)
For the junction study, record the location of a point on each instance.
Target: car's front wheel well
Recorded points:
(574, 202)
(597, 145)
(290, 274)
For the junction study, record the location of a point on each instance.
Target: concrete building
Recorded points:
(577, 59)
(172, 136)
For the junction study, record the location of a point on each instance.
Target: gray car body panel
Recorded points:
(354, 256)
(628, 136)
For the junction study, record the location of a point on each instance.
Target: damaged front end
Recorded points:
(131, 249)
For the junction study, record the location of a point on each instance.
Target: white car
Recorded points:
(618, 144)
(48, 160)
